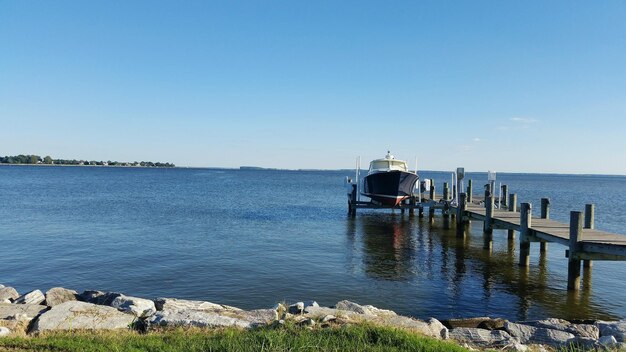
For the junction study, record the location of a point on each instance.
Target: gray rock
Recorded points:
(328, 318)
(432, 327)
(58, 295)
(32, 297)
(215, 318)
(90, 296)
(8, 293)
(76, 315)
(608, 341)
(533, 335)
(492, 324)
(4, 331)
(616, 329)
(21, 311)
(1, 285)
(183, 304)
(483, 338)
(310, 304)
(579, 330)
(367, 309)
(139, 307)
(296, 308)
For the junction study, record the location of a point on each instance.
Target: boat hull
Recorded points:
(389, 188)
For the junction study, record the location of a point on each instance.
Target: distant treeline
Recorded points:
(36, 159)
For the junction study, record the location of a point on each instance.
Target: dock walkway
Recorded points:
(583, 241)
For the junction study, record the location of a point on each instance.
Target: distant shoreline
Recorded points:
(96, 166)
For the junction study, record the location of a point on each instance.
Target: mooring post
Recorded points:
(505, 197)
(460, 213)
(412, 205)
(446, 191)
(545, 214)
(469, 191)
(352, 202)
(575, 236)
(512, 207)
(513, 202)
(488, 223)
(590, 215)
(524, 238)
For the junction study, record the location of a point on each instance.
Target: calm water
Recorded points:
(253, 238)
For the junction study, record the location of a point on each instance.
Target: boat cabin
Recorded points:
(389, 163)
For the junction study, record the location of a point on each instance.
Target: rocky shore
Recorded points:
(62, 309)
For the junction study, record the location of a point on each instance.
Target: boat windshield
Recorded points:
(386, 165)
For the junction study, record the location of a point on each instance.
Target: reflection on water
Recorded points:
(475, 275)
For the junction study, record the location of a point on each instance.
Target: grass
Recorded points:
(361, 337)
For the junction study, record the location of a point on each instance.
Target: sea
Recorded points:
(252, 238)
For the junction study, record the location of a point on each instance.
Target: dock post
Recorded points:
(446, 191)
(505, 197)
(460, 213)
(446, 194)
(512, 207)
(431, 209)
(488, 223)
(469, 191)
(352, 202)
(524, 240)
(590, 215)
(575, 236)
(412, 205)
(545, 214)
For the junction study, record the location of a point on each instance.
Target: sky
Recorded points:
(510, 86)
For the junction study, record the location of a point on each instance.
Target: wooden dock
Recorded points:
(584, 243)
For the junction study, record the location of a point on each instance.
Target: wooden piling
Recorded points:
(590, 218)
(512, 207)
(460, 212)
(524, 240)
(505, 197)
(469, 192)
(575, 236)
(489, 205)
(446, 191)
(352, 202)
(545, 214)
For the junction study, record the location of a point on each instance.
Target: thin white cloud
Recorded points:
(523, 120)
(476, 139)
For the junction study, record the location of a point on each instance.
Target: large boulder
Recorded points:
(32, 297)
(579, 330)
(540, 336)
(184, 304)
(432, 327)
(483, 338)
(58, 295)
(616, 329)
(17, 317)
(360, 309)
(75, 315)
(8, 293)
(140, 307)
(4, 331)
(174, 312)
(21, 311)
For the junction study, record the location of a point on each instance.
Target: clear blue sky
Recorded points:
(526, 86)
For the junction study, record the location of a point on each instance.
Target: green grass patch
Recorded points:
(362, 337)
